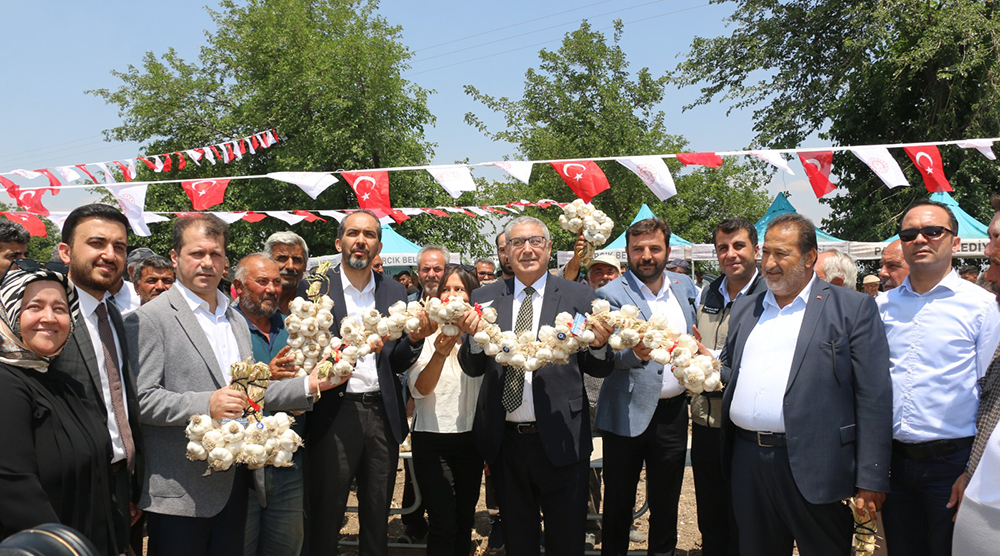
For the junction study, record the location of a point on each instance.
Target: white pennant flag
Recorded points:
(26, 173)
(411, 211)
(520, 169)
(210, 155)
(153, 218)
(882, 163)
(132, 200)
(775, 159)
(288, 217)
(108, 176)
(653, 172)
(982, 145)
(236, 150)
(130, 164)
(68, 173)
(272, 139)
(250, 145)
(157, 163)
(454, 179)
(335, 214)
(228, 217)
(313, 183)
(57, 218)
(478, 211)
(194, 155)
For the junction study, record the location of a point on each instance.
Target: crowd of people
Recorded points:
(888, 398)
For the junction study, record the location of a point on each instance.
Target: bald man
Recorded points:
(894, 267)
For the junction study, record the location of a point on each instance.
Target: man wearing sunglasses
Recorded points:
(13, 242)
(942, 334)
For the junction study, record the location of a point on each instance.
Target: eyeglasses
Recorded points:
(534, 241)
(929, 232)
(31, 265)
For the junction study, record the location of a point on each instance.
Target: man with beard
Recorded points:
(276, 529)
(642, 409)
(355, 430)
(152, 276)
(507, 271)
(806, 413)
(290, 251)
(431, 262)
(96, 357)
(942, 332)
(735, 241)
(894, 267)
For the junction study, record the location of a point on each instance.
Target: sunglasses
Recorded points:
(31, 265)
(929, 232)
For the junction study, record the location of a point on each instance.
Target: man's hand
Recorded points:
(283, 365)
(377, 345)
(641, 351)
(869, 500)
(957, 492)
(470, 323)
(134, 512)
(444, 344)
(579, 246)
(317, 384)
(695, 333)
(226, 403)
(602, 331)
(426, 328)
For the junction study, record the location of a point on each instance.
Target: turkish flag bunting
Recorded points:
(703, 159)
(310, 217)
(274, 136)
(436, 212)
(166, 163)
(181, 161)
(496, 210)
(149, 163)
(252, 216)
(11, 187)
(584, 177)
(817, 165)
(218, 155)
(125, 173)
(83, 168)
(372, 190)
(205, 194)
(243, 146)
(31, 200)
(229, 152)
(927, 159)
(253, 142)
(54, 183)
(32, 223)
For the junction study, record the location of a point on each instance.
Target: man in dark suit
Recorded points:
(807, 413)
(96, 356)
(533, 428)
(355, 429)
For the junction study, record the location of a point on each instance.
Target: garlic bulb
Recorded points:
(196, 452)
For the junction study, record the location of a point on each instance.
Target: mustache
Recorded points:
(288, 272)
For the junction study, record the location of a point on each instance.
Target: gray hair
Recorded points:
(427, 248)
(285, 238)
(154, 261)
(841, 265)
(525, 220)
(487, 261)
(241, 267)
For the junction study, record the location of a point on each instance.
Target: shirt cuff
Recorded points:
(715, 352)
(474, 348)
(599, 353)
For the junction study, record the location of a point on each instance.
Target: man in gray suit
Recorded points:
(807, 411)
(183, 343)
(642, 409)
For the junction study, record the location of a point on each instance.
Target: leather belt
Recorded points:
(367, 398)
(117, 466)
(932, 449)
(763, 439)
(522, 428)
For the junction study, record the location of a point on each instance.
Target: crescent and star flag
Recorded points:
(817, 165)
(205, 194)
(584, 177)
(883, 164)
(654, 173)
(32, 223)
(372, 190)
(711, 160)
(927, 159)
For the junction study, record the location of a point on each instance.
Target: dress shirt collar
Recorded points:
(88, 303)
(368, 287)
(803, 296)
(539, 285)
(951, 281)
(664, 286)
(724, 287)
(195, 302)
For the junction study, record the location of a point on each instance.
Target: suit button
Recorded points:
(659, 372)
(341, 394)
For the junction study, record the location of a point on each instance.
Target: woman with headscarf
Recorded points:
(446, 463)
(54, 464)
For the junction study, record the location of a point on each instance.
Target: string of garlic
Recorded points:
(270, 441)
(595, 225)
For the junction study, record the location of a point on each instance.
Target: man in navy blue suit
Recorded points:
(807, 413)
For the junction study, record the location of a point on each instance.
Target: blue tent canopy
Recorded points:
(968, 227)
(395, 243)
(779, 206)
(644, 213)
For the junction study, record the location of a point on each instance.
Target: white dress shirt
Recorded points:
(216, 327)
(985, 484)
(759, 399)
(940, 344)
(665, 302)
(127, 299)
(526, 412)
(88, 308)
(451, 407)
(365, 377)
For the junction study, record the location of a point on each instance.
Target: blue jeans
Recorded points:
(278, 529)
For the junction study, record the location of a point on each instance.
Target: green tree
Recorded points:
(582, 102)
(327, 75)
(859, 73)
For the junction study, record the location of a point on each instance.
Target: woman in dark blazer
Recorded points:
(54, 463)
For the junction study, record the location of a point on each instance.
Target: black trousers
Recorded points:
(663, 446)
(772, 514)
(359, 444)
(219, 535)
(525, 481)
(449, 471)
(121, 485)
(712, 494)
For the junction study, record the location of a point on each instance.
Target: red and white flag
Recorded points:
(132, 200)
(68, 173)
(195, 155)
(984, 146)
(654, 173)
(313, 183)
(31, 200)
(883, 164)
(251, 216)
(927, 159)
(335, 214)
(454, 179)
(32, 223)
(774, 159)
(205, 194)
(285, 216)
(584, 177)
(54, 183)
(519, 169)
(228, 217)
(817, 165)
(372, 190)
(711, 160)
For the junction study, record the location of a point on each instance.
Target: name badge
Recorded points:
(710, 310)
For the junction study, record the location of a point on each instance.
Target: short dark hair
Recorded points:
(93, 210)
(12, 232)
(805, 228)
(378, 227)
(968, 269)
(211, 225)
(402, 273)
(648, 226)
(469, 279)
(496, 240)
(154, 261)
(731, 225)
(952, 221)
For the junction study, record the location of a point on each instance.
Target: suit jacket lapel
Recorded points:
(550, 302)
(810, 321)
(89, 356)
(505, 306)
(335, 289)
(184, 315)
(632, 288)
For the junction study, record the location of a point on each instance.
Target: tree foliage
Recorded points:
(582, 102)
(856, 73)
(327, 74)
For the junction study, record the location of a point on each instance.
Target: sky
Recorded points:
(58, 49)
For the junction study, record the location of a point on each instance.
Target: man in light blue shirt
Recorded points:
(942, 335)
